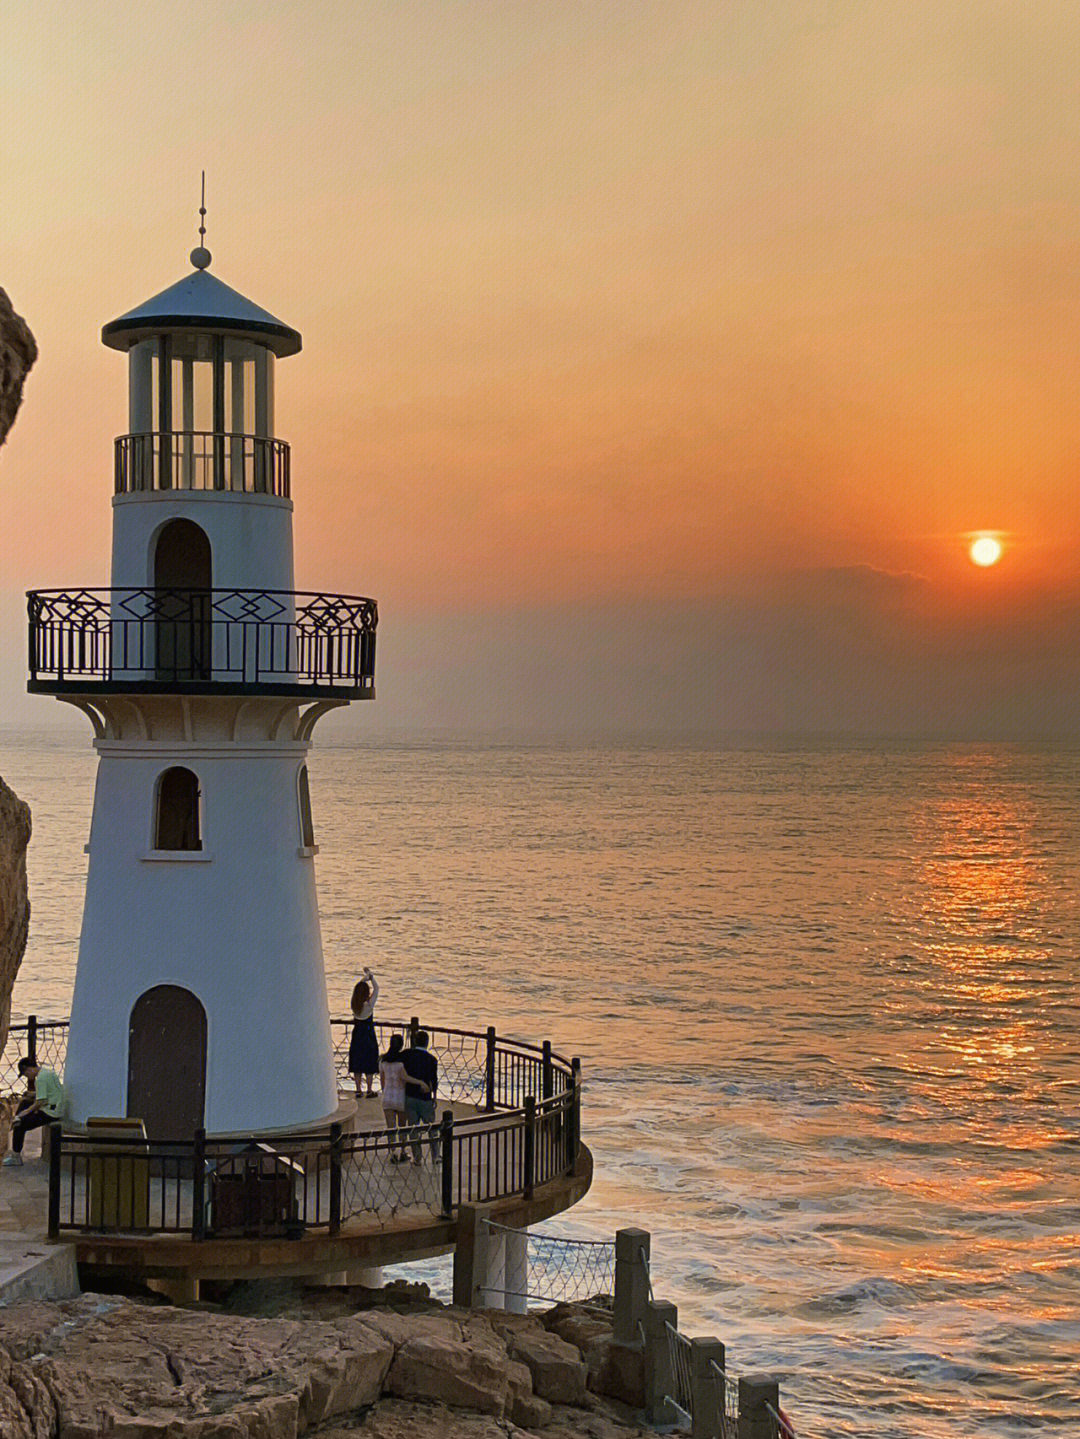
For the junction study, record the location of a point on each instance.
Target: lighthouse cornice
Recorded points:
(156, 749)
(184, 500)
(165, 723)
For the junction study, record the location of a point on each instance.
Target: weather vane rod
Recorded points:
(200, 256)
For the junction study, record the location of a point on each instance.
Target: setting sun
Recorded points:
(985, 550)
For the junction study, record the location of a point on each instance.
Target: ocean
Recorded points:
(827, 1002)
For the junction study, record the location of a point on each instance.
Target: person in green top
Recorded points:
(45, 1105)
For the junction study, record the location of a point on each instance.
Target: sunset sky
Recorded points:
(660, 359)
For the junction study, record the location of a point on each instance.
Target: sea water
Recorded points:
(827, 1001)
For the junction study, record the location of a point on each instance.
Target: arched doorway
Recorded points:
(183, 580)
(167, 1062)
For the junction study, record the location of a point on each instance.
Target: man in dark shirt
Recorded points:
(422, 1080)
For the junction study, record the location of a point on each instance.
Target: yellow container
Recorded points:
(118, 1180)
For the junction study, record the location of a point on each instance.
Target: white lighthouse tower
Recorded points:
(200, 996)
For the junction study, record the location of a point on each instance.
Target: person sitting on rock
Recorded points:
(43, 1103)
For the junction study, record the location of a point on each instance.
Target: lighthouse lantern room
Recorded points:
(200, 995)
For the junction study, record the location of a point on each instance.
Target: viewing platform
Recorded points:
(323, 1201)
(201, 642)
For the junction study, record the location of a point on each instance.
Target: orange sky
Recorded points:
(658, 356)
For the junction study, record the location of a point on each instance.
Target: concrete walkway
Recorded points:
(31, 1267)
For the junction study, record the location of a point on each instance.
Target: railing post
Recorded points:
(31, 1037)
(198, 1186)
(335, 1177)
(55, 1143)
(414, 1025)
(707, 1400)
(489, 1070)
(547, 1085)
(756, 1393)
(659, 1380)
(446, 1145)
(529, 1147)
(631, 1284)
(574, 1126)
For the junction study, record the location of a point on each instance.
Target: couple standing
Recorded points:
(409, 1077)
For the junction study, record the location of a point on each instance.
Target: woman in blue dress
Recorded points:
(364, 1047)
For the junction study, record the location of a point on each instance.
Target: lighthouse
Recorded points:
(200, 994)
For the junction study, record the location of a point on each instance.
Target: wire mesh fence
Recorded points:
(560, 1270)
(462, 1056)
(392, 1174)
(42, 1039)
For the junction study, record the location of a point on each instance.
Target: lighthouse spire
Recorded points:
(200, 256)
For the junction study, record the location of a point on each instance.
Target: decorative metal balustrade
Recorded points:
(202, 641)
(202, 460)
(320, 1180)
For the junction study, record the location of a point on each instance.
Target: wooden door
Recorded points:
(167, 1062)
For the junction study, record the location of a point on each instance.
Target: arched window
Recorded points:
(307, 829)
(176, 822)
(183, 581)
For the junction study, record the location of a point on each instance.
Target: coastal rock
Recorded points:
(116, 1367)
(402, 1419)
(558, 1372)
(27, 1410)
(18, 352)
(464, 1365)
(14, 904)
(589, 1333)
(523, 1407)
(100, 1367)
(615, 1370)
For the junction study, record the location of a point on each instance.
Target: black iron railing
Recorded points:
(202, 460)
(202, 640)
(224, 1188)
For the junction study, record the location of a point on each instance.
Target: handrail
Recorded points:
(134, 638)
(317, 1179)
(206, 460)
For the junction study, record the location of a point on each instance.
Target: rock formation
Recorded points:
(17, 353)
(14, 905)
(105, 1366)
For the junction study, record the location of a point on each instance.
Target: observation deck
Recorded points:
(201, 642)
(508, 1137)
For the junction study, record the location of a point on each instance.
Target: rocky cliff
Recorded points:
(17, 353)
(14, 905)
(101, 1366)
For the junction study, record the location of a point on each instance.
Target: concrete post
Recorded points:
(516, 1270)
(631, 1284)
(707, 1388)
(470, 1255)
(659, 1379)
(755, 1392)
(493, 1282)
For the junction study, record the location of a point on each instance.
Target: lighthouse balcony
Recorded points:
(201, 460)
(194, 641)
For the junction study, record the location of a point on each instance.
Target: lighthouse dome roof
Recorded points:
(200, 301)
